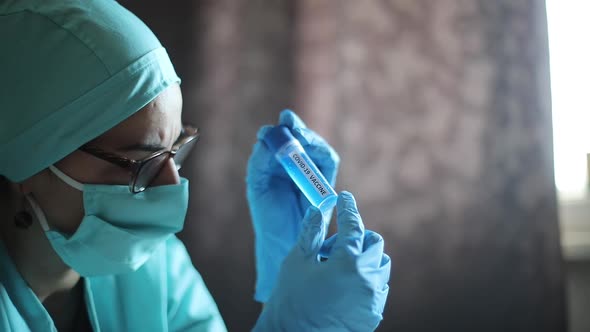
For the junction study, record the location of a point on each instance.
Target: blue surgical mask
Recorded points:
(120, 230)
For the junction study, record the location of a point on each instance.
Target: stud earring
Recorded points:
(23, 220)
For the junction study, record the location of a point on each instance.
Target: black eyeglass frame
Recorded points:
(189, 135)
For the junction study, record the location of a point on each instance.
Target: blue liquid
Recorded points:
(307, 176)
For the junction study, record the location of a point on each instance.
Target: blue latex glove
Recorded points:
(276, 204)
(346, 292)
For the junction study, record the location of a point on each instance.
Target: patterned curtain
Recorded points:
(440, 111)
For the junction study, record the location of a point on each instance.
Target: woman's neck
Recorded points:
(32, 254)
(65, 307)
(58, 287)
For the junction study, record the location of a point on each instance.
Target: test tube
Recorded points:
(291, 155)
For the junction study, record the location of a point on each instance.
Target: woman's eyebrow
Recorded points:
(148, 147)
(142, 147)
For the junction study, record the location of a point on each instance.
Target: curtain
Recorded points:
(440, 111)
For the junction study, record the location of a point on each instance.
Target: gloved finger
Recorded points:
(372, 255)
(379, 299)
(385, 270)
(262, 132)
(265, 176)
(373, 242)
(386, 262)
(376, 277)
(322, 154)
(351, 230)
(375, 264)
(312, 233)
(326, 248)
(263, 169)
(289, 119)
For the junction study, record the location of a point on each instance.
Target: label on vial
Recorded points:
(309, 174)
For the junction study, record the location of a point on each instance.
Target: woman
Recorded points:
(91, 141)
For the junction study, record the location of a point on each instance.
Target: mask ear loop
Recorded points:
(38, 212)
(65, 178)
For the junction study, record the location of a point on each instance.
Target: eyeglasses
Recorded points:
(145, 170)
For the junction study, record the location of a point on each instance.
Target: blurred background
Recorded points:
(441, 113)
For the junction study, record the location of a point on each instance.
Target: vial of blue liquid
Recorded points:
(291, 155)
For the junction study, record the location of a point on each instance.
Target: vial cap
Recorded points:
(277, 136)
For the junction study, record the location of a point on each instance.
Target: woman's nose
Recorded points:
(168, 174)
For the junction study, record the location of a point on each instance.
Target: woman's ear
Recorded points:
(27, 186)
(22, 188)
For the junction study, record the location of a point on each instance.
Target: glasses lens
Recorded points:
(148, 172)
(184, 151)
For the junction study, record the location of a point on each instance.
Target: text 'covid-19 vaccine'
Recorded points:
(291, 155)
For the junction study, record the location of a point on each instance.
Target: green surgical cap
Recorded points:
(70, 71)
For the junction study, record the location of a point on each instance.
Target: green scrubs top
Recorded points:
(165, 294)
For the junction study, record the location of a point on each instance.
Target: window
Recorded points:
(569, 51)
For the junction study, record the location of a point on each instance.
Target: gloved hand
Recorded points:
(276, 204)
(346, 292)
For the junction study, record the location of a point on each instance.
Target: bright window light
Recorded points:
(569, 50)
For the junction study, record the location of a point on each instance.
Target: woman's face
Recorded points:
(154, 127)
